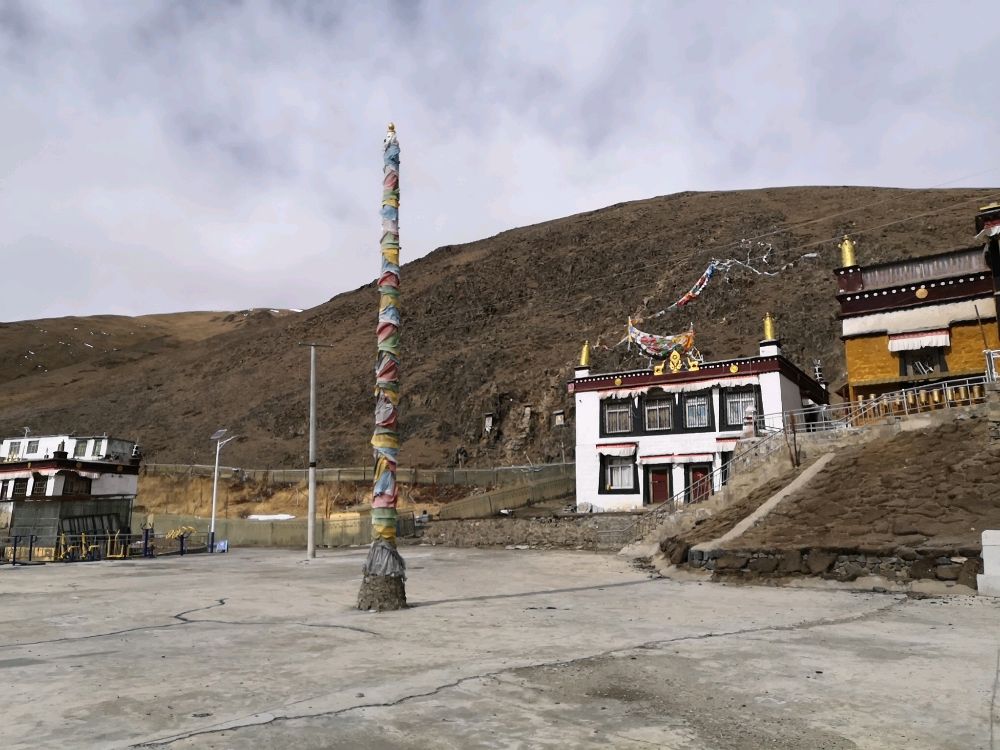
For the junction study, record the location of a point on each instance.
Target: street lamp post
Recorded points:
(311, 510)
(219, 442)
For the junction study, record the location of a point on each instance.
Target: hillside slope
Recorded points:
(495, 326)
(934, 488)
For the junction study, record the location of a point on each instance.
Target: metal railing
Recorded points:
(698, 491)
(943, 394)
(31, 548)
(992, 364)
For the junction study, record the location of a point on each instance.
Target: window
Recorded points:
(76, 485)
(32, 448)
(929, 359)
(20, 487)
(96, 450)
(617, 416)
(659, 414)
(696, 412)
(619, 473)
(737, 405)
(39, 486)
(80, 450)
(14, 450)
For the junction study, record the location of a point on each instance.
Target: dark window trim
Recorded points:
(725, 424)
(604, 425)
(653, 396)
(636, 488)
(942, 362)
(680, 424)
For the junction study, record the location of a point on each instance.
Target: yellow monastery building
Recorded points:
(915, 322)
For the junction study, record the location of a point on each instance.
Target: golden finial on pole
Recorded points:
(585, 355)
(770, 330)
(847, 253)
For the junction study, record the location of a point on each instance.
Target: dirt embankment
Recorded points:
(936, 489)
(239, 499)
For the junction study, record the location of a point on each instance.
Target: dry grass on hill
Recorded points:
(492, 326)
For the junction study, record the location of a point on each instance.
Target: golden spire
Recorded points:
(770, 330)
(847, 253)
(585, 355)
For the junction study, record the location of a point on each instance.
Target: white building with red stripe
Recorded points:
(646, 436)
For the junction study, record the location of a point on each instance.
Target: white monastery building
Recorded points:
(65, 484)
(646, 436)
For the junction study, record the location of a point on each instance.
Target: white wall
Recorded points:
(679, 449)
(48, 444)
(779, 394)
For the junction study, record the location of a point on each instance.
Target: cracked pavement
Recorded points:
(511, 649)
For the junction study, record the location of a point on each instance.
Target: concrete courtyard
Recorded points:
(506, 649)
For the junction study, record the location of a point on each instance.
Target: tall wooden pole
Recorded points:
(382, 587)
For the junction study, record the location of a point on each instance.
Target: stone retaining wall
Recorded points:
(905, 564)
(569, 532)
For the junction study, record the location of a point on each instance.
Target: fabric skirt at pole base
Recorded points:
(382, 593)
(383, 587)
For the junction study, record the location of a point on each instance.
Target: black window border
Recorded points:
(657, 394)
(942, 363)
(725, 425)
(604, 426)
(681, 423)
(602, 486)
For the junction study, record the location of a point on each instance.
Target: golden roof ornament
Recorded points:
(585, 355)
(770, 329)
(847, 257)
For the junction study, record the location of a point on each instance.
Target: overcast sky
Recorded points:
(163, 156)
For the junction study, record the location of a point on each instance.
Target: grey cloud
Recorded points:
(181, 155)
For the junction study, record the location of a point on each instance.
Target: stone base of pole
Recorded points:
(383, 587)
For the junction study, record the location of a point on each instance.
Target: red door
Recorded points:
(699, 483)
(659, 485)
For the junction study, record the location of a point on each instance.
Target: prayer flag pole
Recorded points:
(382, 587)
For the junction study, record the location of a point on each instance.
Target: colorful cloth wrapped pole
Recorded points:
(384, 570)
(385, 441)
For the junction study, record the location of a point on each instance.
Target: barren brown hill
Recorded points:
(37, 346)
(495, 326)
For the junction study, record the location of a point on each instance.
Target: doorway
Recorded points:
(658, 484)
(699, 484)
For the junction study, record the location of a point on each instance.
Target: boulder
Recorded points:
(763, 564)
(970, 569)
(676, 551)
(851, 572)
(948, 572)
(924, 568)
(820, 561)
(791, 561)
(731, 562)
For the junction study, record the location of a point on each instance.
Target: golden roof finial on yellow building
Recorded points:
(585, 355)
(770, 330)
(847, 253)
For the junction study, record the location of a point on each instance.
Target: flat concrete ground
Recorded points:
(519, 649)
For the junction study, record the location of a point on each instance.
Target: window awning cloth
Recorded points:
(905, 342)
(677, 458)
(618, 449)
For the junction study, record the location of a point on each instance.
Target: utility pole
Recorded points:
(311, 512)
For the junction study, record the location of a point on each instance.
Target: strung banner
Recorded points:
(661, 346)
